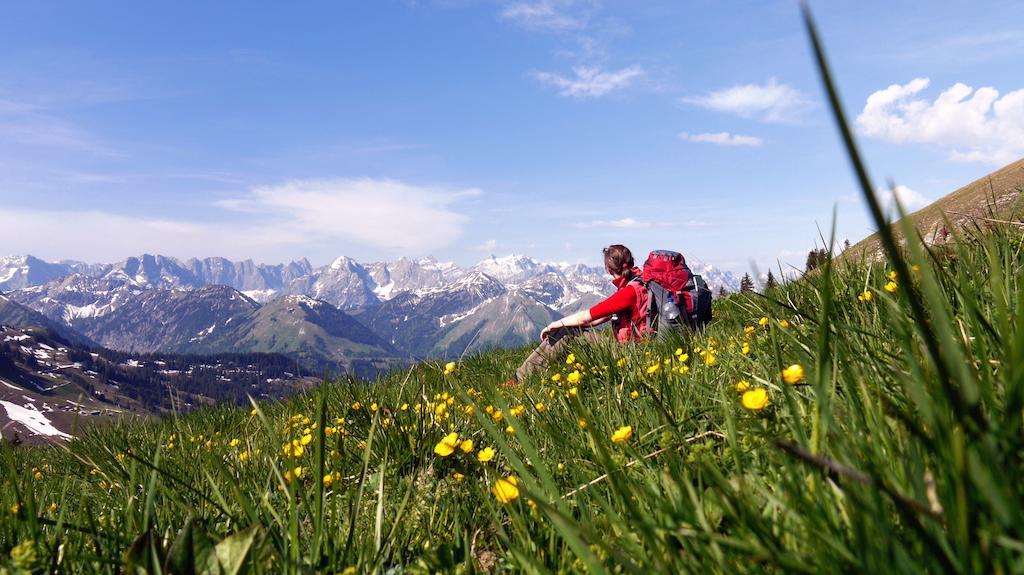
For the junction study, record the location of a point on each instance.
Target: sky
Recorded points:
(462, 129)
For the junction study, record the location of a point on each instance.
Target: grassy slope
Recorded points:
(997, 195)
(880, 459)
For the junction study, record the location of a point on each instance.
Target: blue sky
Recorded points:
(276, 131)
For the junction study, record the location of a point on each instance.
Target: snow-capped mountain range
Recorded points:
(415, 308)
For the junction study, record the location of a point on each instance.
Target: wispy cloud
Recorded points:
(33, 126)
(721, 139)
(624, 223)
(973, 125)
(271, 222)
(547, 15)
(769, 102)
(487, 246)
(590, 81)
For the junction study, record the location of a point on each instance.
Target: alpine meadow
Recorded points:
(863, 417)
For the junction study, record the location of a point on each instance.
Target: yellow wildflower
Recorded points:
(571, 359)
(623, 434)
(466, 446)
(710, 359)
(52, 508)
(253, 412)
(865, 296)
(634, 394)
(233, 443)
(458, 476)
(742, 386)
(892, 275)
(653, 368)
(539, 406)
(582, 423)
(891, 287)
(745, 350)
(572, 392)
(510, 429)
(755, 399)
(506, 490)
(748, 330)
(449, 368)
(306, 439)
(486, 454)
(762, 322)
(446, 446)
(793, 373)
(783, 323)
(328, 480)
(356, 406)
(556, 377)
(574, 377)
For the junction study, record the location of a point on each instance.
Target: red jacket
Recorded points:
(627, 304)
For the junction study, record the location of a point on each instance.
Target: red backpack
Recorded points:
(675, 295)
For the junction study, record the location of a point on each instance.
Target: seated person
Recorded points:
(624, 304)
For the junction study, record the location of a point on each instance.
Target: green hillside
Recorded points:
(810, 431)
(996, 196)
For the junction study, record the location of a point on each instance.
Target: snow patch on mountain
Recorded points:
(32, 419)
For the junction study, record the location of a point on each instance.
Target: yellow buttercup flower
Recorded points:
(574, 377)
(783, 323)
(447, 446)
(449, 368)
(865, 296)
(793, 373)
(622, 434)
(486, 454)
(556, 377)
(748, 330)
(742, 386)
(510, 429)
(458, 476)
(328, 480)
(571, 359)
(466, 446)
(762, 322)
(652, 369)
(539, 406)
(506, 490)
(634, 394)
(891, 287)
(755, 399)
(356, 406)
(745, 349)
(582, 423)
(892, 275)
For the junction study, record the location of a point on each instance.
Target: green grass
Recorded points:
(898, 450)
(869, 463)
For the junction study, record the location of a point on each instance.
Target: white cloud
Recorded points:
(590, 81)
(908, 198)
(550, 15)
(974, 125)
(722, 139)
(624, 223)
(28, 125)
(487, 246)
(770, 102)
(305, 217)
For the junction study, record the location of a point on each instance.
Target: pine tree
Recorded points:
(746, 284)
(769, 282)
(815, 258)
(721, 291)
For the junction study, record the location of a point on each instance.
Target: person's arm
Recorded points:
(620, 301)
(577, 319)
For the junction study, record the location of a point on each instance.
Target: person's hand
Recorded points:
(550, 329)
